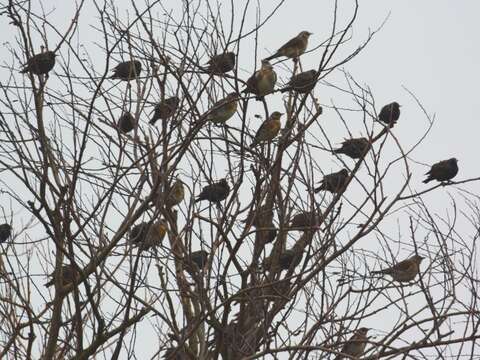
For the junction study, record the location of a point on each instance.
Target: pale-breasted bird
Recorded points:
(175, 194)
(354, 148)
(69, 275)
(334, 182)
(126, 122)
(40, 64)
(390, 113)
(215, 192)
(268, 130)
(222, 110)
(127, 70)
(294, 47)
(405, 270)
(5, 232)
(355, 346)
(302, 83)
(262, 82)
(221, 63)
(305, 220)
(444, 170)
(165, 109)
(147, 235)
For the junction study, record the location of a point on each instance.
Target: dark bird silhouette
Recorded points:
(223, 110)
(69, 275)
(165, 109)
(40, 64)
(268, 130)
(334, 182)
(126, 122)
(444, 170)
(127, 70)
(5, 232)
(290, 258)
(305, 220)
(354, 148)
(199, 258)
(302, 83)
(390, 113)
(355, 346)
(262, 82)
(405, 270)
(294, 47)
(221, 63)
(148, 235)
(215, 192)
(268, 232)
(259, 216)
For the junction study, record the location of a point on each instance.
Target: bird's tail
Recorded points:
(381, 272)
(198, 200)
(152, 121)
(427, 180)
(320, 188)
(271, 57)
(337, 151)
(50, 283)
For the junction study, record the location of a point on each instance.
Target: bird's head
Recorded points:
(396, 105)
(453, 160)
(363, 330)
(344, 172)
(418, 259)
(266, 65)
(223, 182)
(231, 56)
(233, 96)
(276, 115)
(305, 34)
(6, 227)
(51, 54)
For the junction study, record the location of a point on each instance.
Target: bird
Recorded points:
(405, 270)
(215, 192)
(126, 122)
(69, 275)
(40, 64)
(165, 109)
(127, 70)
(268, 130)
(199, 258)
(355, 346)
(305, 219)
(444, 170)
(258, 217)
(390, 113)
(262, 82)
(5, 232)
(334, 182)
(294, 47)
(175, 194)
(147, 234)
(302, 83)
(354, 148)
(290, 258)
(268, 232)
(222, 110)
(221, 63)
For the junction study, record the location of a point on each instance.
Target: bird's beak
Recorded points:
(310, 33)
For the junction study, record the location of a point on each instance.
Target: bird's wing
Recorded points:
(404, 265)
(295, 42)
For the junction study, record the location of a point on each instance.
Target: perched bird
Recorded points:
(294, 47)
(302, 83)
(175, 194)
(126, 122)
(334, 182)
(442, 171)
(268, 232)
(5, 232)
(355, 346)
(354, 148)
(69, 275)
(268, 130)
(127, 70)
(199, 258)
(147, 235)
(221, 63)
(305, 219)
(390, 113)
(40, 64)
(222, 110)
(262, 82)
(290, 258)
(258, 216)
(215, 192)
(165, 109)
(405, 270)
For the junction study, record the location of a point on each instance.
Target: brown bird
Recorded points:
(5, 232)
(147, 235)
(262, 82)
(268, 130)
(222, 110)
(354, 148)
(258, 217)
(69, 275)
(305, 219)
(40, 64)
(390, 113)
(302, 83)
(221, 63)
(268, 232)
(444, 170)
(355, 346)
(127, 70)
(165, 109)
(176, 194)
(334, 182)
(215, 192)
(405, 270)
(290, 258)
(199, 258)
(294, 47)
(126, 122)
